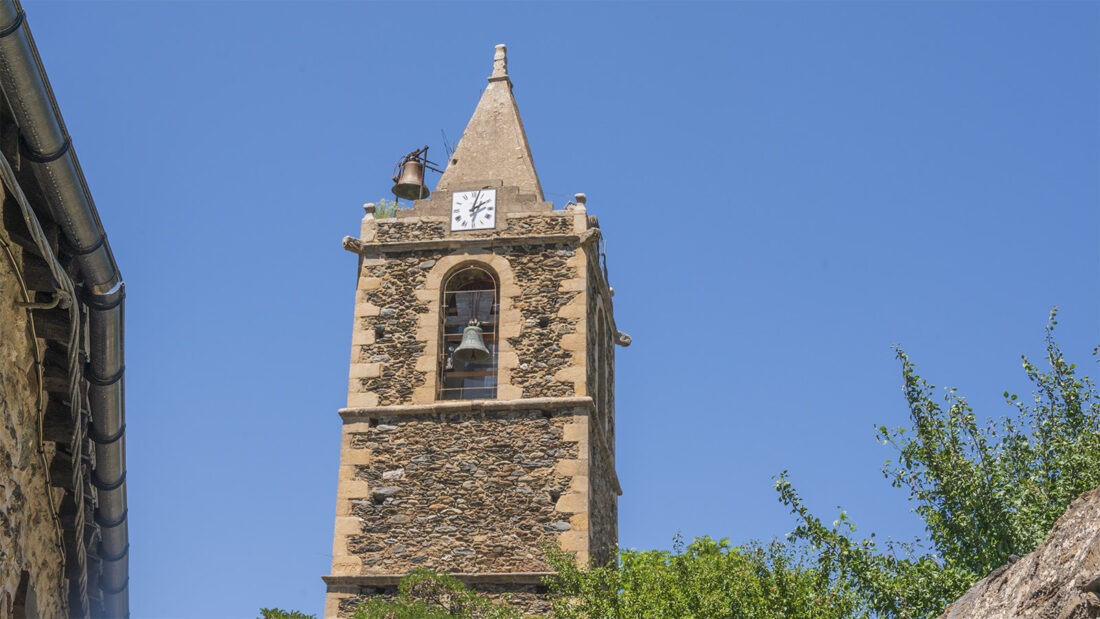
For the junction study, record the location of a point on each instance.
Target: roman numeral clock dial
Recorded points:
(474, 210)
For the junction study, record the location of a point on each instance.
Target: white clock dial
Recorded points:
(474, 210)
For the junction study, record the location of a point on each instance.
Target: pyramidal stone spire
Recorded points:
(493, 151)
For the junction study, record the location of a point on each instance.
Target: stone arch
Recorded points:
(508, 321)
(468, 304)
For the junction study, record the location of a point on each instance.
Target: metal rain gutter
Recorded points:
(48, 147)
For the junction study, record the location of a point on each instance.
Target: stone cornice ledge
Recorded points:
(349, 584)
(465, 406)
(357, 246)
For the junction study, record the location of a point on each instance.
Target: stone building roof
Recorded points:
(69, 304)
(493, 150)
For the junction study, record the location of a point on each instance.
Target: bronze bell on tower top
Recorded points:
(409, 179)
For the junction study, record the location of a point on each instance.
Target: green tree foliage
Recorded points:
(427, 595)
(278, 613)
(706, 580)
(985, 492)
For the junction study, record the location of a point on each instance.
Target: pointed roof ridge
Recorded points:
(493, 150)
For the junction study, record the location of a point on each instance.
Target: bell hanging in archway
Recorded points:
(410, 182)
(472, 349)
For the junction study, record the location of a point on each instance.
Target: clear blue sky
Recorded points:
(787, 189)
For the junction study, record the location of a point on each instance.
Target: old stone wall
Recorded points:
(539, 273)
(1060, 579)
(603, 515)
(392, 348)
(394, 230)
(29, 536)
(530, 225)
(472, 487)
(461, 493)
(396, 335)
(528, 599)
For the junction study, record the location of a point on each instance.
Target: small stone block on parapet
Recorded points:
(365, 370)
(574, 284)
(353, 457)
(362, 399)
(352, 488)
(509, 392)
(572, 503)
(507, 358)
(574, 374)
(579, 485)
(365, 309)
(425, 363)
(572, 311)
(425, 394)
(332, 603)
(576, 431)
(574, 541)
(368, 283)
(348, 525)
(352, 427)
(346, 566)
(571, 468)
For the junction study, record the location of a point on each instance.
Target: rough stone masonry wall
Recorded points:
(528, 599)
(385, 368)
(463, 492)
(387, 351)
(28, 534)
(1058, 580)
(390, 350)
(395, 230)
(603, 516)
(539, 224)
(392, 230)
(539, 273)
(594, 373)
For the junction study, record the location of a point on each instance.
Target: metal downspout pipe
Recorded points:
(47, 146)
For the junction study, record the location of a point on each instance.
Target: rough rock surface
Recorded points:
(539, 224)
(462, 493)
(28, 531)
(396, 230)
(528, 599)
(539, 344)
(539, 272)
(1060, 580)
(394, 346)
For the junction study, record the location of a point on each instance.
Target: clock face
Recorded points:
(474, 210)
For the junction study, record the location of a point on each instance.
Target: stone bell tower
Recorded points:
(480, 421)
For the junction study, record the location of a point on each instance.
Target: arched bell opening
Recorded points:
(469, 317)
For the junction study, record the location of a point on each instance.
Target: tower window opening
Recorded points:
(467, 357)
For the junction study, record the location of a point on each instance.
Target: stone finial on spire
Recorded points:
(500, 63)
